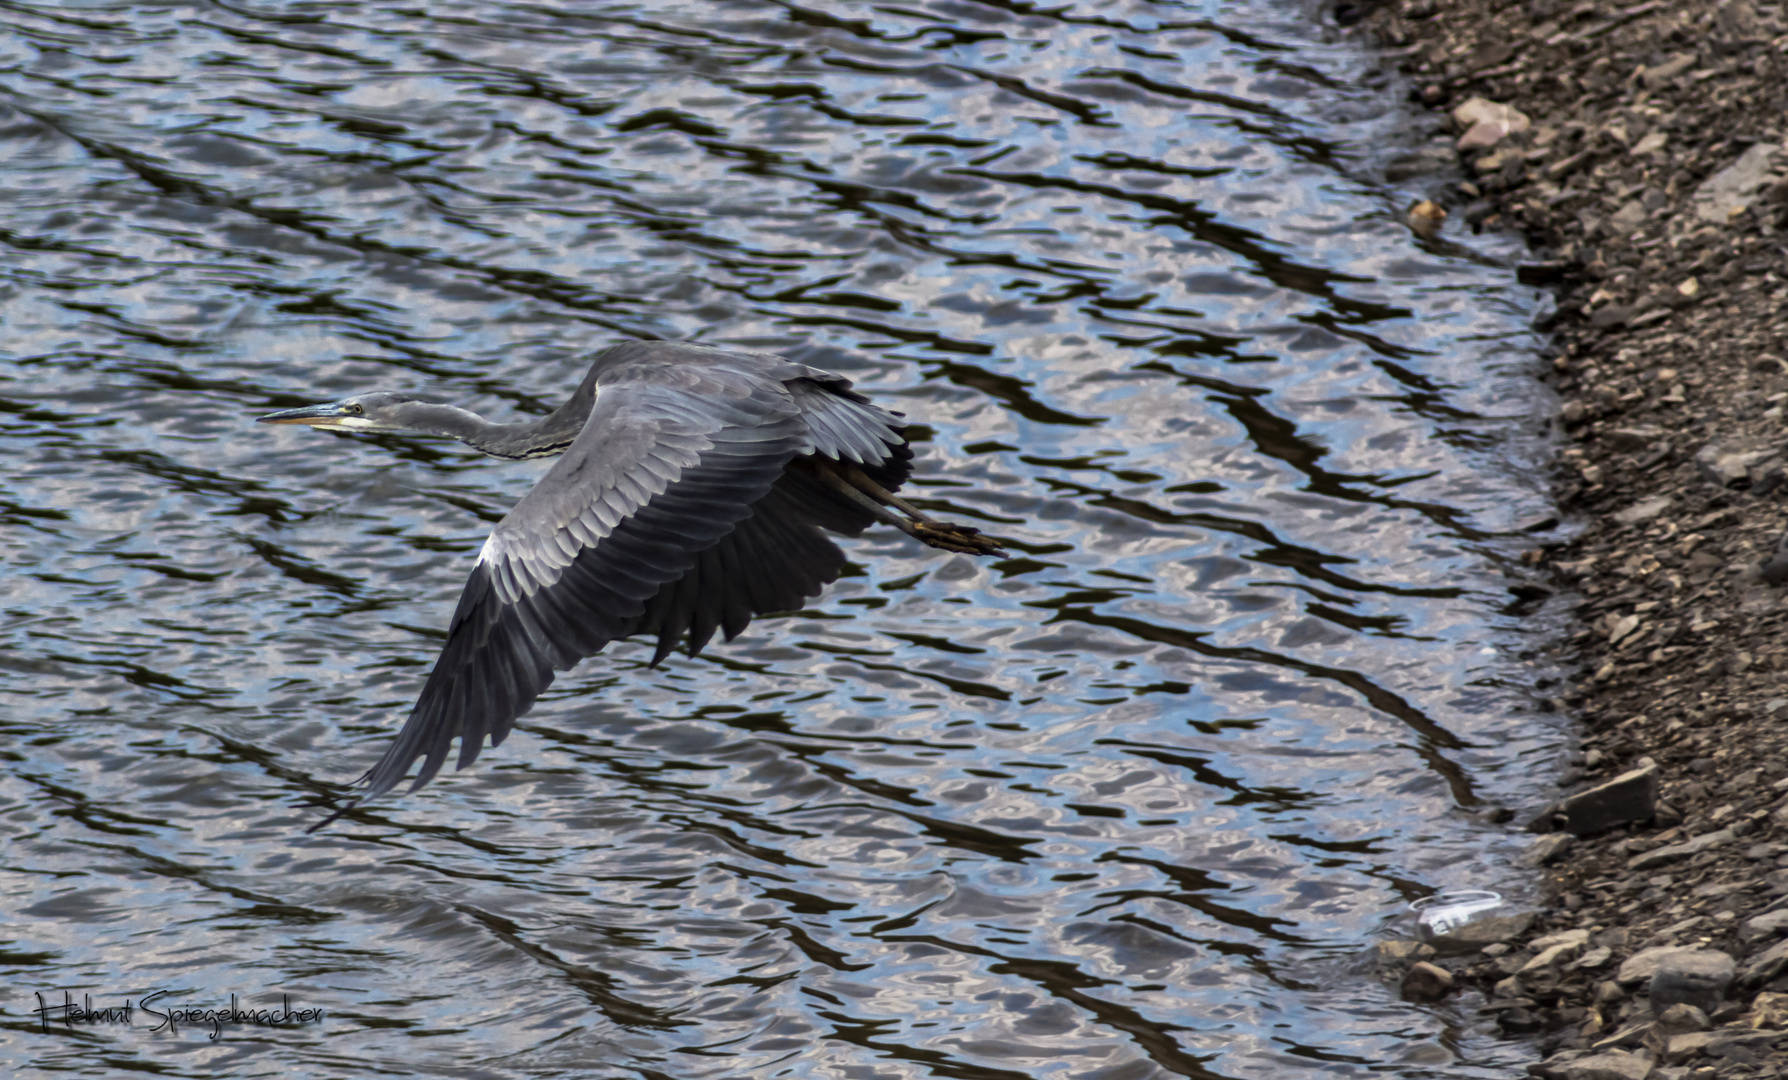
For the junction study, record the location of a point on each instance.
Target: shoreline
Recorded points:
(1640, 149)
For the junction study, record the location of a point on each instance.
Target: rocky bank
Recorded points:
(1640, 149)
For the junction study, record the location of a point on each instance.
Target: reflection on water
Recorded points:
(1123, 805)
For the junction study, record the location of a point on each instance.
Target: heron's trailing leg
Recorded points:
(850, 481)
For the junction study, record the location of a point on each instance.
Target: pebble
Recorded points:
(1733, 189)
(1682, 1017)
(1555, 954)
(1768, 1010)
(1546, 849)
(1770, 924)
(1487, 123)
(1765, 966)
(1775, 568)
(1419, 163)
(1426, 217)
(1658, 75)
(1725, 467)
(1644, 511)
(1427, 982)
(1610, 1065)
(1688, 1044)
(1675, 853)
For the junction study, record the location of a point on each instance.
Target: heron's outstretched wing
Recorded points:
(777, 558)
(672, 511)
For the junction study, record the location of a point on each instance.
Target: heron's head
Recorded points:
(378, 411)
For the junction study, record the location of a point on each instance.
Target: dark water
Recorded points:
(1125, 805)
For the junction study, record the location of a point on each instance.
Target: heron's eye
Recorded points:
(356, 410)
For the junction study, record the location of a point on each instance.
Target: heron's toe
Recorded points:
(952, 537)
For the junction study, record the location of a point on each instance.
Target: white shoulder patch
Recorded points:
(490, 552)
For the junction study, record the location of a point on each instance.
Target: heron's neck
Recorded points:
(546, 437)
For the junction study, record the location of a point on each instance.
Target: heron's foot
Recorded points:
(953, 537)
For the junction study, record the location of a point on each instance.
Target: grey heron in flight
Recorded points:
(690, 491)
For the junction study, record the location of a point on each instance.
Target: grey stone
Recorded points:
(1642, 965)
(1675, 853)
(1554, 950)
(1631, 796)
(1578, 938)
(1611, 1065)
(1633, 1034)
(1733, 188)
(1770, 924)
(1724, 466)
(1657, 76)
(1487, 123)
(1553, 1066)
(1614, 314)
(1629, 217)
(1735, 1041)
(1682, 1017)
(1687, 1045)
(1699, 978)
(1547, 848)
(1644, 511)
(1631, 440)
(1766, 965)
(1775, 568)
(1426, 982)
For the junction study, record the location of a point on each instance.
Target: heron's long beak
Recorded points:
(333, 415)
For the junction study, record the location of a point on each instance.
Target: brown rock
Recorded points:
(1487, 123)
(1631, 796)
(1546, 849)
(1612, 1065)
(1768, 1010)
(1426, 982)
(1642, 965)
(1681, 1017)
(1675, 853)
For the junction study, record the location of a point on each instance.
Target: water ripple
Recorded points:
(1125, 804)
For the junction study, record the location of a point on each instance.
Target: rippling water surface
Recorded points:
(1127, 804)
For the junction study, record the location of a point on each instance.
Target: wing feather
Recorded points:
(624, 514)
(673, 513)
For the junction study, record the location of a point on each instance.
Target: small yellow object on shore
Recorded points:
(1769, 1010)
(1425, 217)
(1689, 286)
